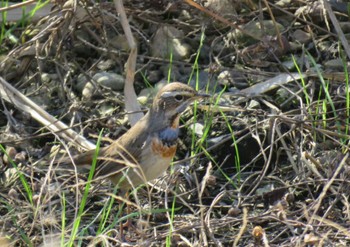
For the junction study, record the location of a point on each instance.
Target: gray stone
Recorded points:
(253, 104)
(301, 36)
(334, 64)
(45, 77)
(105, 65)
(111, 80)
(88, 91)
(169, 41)
(224, 7)
(197, 128)
(257, 29)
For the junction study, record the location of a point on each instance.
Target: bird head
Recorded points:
(174, 98)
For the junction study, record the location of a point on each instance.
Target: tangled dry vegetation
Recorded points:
(264, 164)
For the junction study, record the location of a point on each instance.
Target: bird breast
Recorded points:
(164, 148)
(156, 158)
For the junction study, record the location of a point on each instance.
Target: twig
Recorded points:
(17, 5)
(243, 226)
(12, 95)
(131, 104)
(337, 28)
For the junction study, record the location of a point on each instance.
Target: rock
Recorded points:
(154, 75)
(234, 212)
(45, 78)
(313, 10)
(202, 80)
(225, 78)
(81, 82)
(145, 93)
(84, 86)
(215, 140)
(88, 90)
(205, 82)
(10, 155)
(301, 36)
(105, 65)
(80, 48)
(284, 98)
(13, 194)
(257, 29)
(224, 7)
(169, 41)
(269, 48)
(289, 64)
(111, 80)
(20, 157)
(253, 104)
(267, 188)
(197, 128)
(326, 46)
(120, 42)
(174, 71)
(106, 109)
(334, 64)
(211, 181)
(233, 77)
(142, 100)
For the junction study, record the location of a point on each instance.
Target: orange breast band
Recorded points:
(162, 150)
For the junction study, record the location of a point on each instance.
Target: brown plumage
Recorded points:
(150, 144)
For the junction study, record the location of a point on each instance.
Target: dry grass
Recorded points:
(272, 174)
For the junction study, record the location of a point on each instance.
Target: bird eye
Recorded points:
(179, 97)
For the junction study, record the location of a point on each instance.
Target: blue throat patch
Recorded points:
(169, 136)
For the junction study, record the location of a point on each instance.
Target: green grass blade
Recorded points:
(63, 218)
(85, 195)
(24, 182)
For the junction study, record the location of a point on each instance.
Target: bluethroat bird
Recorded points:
(145, 151)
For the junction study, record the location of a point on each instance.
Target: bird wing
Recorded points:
(121, 154)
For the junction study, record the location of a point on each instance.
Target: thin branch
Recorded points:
(12, 95)
(131, 104)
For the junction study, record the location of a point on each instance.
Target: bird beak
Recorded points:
(197, 96)
(202, 95)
